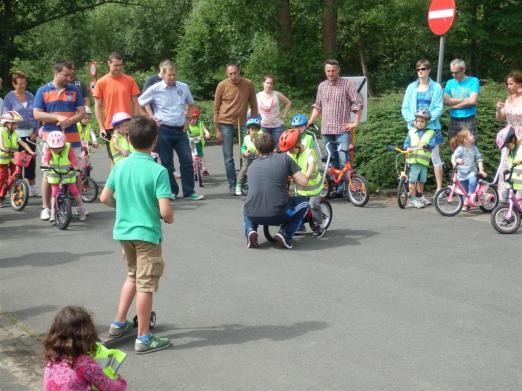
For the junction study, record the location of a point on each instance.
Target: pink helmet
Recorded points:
(11, 116)
(120, 117)
(56, 139)
(504, 135)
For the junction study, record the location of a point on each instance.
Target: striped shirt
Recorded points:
(63, 102)
(336, 100)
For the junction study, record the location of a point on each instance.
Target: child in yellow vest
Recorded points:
(306, 159)
(196, 128)
(60, 156)
(8, 146)
(248, 149)
(120, 146)
(419, 142)
(514, 161)
(87, 134)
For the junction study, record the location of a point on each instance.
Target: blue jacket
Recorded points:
(409, 104)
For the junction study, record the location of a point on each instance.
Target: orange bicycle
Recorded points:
(17, 186)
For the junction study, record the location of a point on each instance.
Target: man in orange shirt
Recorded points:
(115, 92)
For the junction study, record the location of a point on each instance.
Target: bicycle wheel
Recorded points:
(447, 202)
(244, 187)
(503, 224)
(489, 199)
(19, 194)
(402, 193)
(89, 189)
(269, 231)
(63, 209)
(326, 210)
(358, 193)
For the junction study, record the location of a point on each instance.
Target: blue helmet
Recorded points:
(253, 121)
(299, 120)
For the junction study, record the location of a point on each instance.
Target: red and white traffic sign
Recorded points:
(441, 15)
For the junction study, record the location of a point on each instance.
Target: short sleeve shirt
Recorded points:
(138, 183)
(267, 185)
(116, 93)
(463, 89)
(64, 102)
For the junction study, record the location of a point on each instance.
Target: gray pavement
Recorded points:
(389, 299)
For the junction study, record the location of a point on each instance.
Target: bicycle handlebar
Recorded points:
(71, 168)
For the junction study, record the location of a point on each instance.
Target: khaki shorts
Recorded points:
(144, 264)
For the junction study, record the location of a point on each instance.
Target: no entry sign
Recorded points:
(441, 15)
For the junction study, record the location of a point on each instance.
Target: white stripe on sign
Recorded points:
(447, 13)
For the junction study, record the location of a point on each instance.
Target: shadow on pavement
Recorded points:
(31, 311)
(47, 259)
(233, 334)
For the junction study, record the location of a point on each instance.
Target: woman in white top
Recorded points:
(268, 103)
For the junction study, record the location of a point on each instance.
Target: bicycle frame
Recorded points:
(337, 175)
(196, 159)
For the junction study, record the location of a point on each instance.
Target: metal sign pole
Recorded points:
(441, 58)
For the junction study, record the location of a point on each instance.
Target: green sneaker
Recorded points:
(155, 343)
(116, 331)
(196, 197)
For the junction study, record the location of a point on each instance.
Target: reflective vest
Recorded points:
(10, 143)
(196, 131)
(419, 156)
(85, 132)
(315, 183)
(123, 143)
(109, 360)
(248, 144)
(307, 140)
(61, 163)
(516, 177)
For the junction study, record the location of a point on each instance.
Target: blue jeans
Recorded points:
(470, 183)
(229, 132)
(275, 132)
(290, 219)
(174, 138)
(338, 159)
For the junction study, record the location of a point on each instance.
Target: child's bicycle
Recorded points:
(87, 186)
(403, 172)
(505, 218)
(326, 209)
(450, 200)
(197, 162)
(345, 180)
(64, 202)
(15, 184)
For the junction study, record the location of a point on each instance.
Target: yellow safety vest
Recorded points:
(61, 163)
(123, 143)
(109, 360)
(516, 177)
(248, 144)
(10, 142)
(315, 184)
(307, 140)
(85, 132)
(420, 156)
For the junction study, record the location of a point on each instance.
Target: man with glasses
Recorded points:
(59, 105)
(461, 95)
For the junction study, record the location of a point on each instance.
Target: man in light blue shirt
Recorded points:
(166, 103)
(461, 95)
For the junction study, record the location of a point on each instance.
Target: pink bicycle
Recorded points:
(505, 218)
(450, 200)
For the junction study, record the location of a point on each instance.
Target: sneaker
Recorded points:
(205, 172)
(52, 216)
(415, 203)
(118, 331)
(283, 241)
(196, 197)
(45, 214)
(32, 191)
(173, 198)
(301, 230)
(424, 201)
(155, 343)
(319, 232)
(83, 215)
(232, 190)
(238, 189)
(252, 239)
(79, 212)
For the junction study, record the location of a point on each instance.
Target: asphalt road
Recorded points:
(389, 299)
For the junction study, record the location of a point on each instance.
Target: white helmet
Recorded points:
(56, 139)
(88, 110)
(11, 116)
(120, 117)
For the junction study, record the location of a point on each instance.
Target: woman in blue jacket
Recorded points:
(424, 93)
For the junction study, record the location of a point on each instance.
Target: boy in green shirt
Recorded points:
(143, 191)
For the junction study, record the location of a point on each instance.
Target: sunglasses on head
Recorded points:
(422, 69)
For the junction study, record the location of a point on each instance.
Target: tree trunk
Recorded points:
(329, 28)
(6, 41)
(285, 26)
(361, 47)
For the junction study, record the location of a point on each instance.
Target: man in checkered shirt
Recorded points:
(336, 99)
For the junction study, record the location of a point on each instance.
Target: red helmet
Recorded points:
(195, 112)
(288, 139)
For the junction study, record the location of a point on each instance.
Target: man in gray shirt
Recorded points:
(170, 99)
(267, 202)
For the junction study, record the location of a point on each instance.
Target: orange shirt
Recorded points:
(116, 94)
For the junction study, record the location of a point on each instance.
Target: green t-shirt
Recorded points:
(138, 183)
